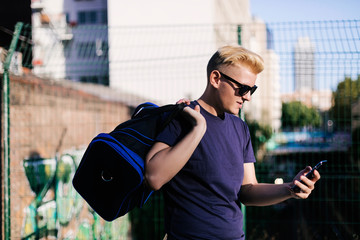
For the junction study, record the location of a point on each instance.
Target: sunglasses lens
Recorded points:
(242, 91)
(245, 89)
(253, 89)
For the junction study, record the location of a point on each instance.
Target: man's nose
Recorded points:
(247, 96)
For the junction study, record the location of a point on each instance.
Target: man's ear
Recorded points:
(214, 78)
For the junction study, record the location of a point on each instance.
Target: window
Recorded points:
(92, 17)
(87, 17)
(81, 18)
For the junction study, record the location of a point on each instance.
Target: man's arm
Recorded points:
(253, 193)
(164, 162)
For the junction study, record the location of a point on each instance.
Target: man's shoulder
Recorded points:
(235, 118)
(238, 123)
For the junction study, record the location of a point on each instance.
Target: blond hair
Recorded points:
(235, 55)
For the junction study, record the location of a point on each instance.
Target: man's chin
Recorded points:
(235, 112)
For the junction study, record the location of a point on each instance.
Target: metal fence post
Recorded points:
(243, 207)
(6, 129)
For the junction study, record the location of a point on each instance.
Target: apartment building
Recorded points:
(304, 64)
(70, 40)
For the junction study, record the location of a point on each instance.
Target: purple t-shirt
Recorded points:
(201, 201)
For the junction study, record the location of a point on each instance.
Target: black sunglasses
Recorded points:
(243, 89)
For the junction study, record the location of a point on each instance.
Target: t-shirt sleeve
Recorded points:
(175, 130)
(249, 156)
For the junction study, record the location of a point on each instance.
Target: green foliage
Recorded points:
(346, 94)
(259, 134)
(297, 115)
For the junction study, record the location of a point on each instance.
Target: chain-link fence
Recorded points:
(315, 57)
(67, 85)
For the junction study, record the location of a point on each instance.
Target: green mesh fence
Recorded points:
(328, 56)
(90, 77)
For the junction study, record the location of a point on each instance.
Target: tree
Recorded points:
(259, 134)
(347, 92)
(297, 115)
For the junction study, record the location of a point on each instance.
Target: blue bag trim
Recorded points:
(102, 138)
(147, 197)
(143, 106)
(123, 151)
(139, 133)
(151, 105)
(141, 191)
(120, 131)
(126, 154)
(125, 198)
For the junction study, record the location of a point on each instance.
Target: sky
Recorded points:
(305, 10)
(275, 11)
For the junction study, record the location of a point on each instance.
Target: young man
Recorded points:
(206, 165)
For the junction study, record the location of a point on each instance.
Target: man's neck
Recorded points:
(209, 107)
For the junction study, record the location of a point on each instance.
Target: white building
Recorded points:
(305, 78)
(159, 49)
(304, 64)
(265, 105)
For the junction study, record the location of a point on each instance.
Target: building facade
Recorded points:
(76, 33)
(304, 64)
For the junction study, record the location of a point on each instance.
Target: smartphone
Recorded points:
(309, 175)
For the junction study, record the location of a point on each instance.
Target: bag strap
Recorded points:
(157, 110)
(142, 107)
(174, 112)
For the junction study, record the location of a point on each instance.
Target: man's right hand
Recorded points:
(193, 115)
